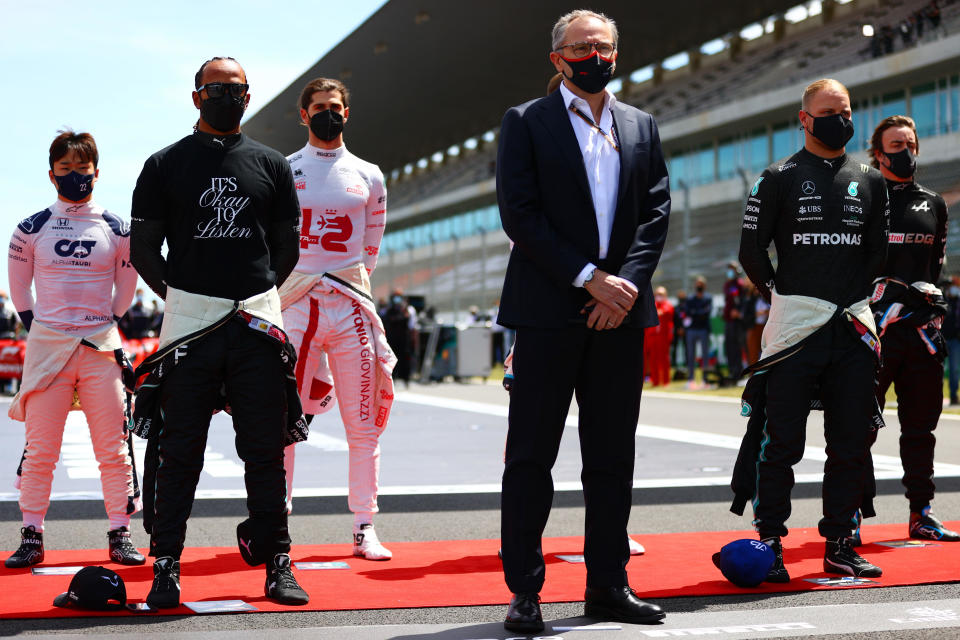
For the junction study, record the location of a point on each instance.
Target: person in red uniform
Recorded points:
(656, 342)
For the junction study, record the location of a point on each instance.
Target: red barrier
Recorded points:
(12, 354)
(11, 358)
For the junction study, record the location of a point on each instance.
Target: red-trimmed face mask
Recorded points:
(590, 73)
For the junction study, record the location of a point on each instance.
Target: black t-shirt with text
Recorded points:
(218, 198)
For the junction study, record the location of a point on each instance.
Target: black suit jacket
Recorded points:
(547, 210)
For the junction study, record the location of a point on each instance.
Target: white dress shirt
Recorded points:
(602, 163)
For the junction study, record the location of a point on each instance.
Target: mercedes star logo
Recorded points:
(808, 188)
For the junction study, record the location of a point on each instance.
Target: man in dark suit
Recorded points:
(583, 193)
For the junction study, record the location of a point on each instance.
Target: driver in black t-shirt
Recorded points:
(227, 208)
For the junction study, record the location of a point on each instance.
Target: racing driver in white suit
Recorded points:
(328, 309)
(77, 257)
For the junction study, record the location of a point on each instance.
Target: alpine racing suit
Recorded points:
(828, 220)
(343, 202)
(77, 256)
(911, 360)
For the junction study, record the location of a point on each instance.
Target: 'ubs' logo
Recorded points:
(74, 248)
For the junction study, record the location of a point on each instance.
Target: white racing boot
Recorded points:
(367, 545)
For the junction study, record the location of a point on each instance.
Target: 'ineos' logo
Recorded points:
(808, 188)
(74, 248)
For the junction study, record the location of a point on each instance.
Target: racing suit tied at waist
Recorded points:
(48, 351)
(793, 318)
(354, 283)
(186, 313)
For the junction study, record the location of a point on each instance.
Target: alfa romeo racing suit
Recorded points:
(828, 219)
(77, 256)
(911, 361)
(343, 203)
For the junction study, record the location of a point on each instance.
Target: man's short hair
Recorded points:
(816, 87)
(82, 143)
(876, 140)
(198, 79)
(323, 84)
(560, 28)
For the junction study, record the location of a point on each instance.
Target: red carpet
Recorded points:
(467, 572)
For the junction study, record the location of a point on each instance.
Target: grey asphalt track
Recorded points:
(473, 514)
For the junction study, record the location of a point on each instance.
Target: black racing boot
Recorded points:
(840, 557)
(122, 550)
(778, 572)
(926, 526)
(281, 585)
(30, 551)
(165, 592)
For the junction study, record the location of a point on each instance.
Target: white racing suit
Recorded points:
(332, 321)
(77, 258)
(342, 358)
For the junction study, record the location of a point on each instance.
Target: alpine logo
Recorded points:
(74, 248)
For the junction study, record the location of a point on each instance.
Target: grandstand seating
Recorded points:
(804, 54)
(765, 64)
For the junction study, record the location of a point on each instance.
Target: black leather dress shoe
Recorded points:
(524, 615)
(620, 604)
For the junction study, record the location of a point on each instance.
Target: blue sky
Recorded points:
(124, 72)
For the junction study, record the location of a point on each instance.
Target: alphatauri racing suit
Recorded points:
(344, 203)
(227, 209)
(77, 257)
(828, 220)
(913, 355)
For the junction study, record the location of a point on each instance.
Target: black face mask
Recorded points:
(223, 113)
(833, 131)
(591, 74)
(903, 163)
(326, 125)
(75, 186)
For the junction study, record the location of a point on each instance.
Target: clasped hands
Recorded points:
(611, 301)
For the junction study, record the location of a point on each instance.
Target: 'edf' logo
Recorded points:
(852, 188)
(756, 186)
(74, 248)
